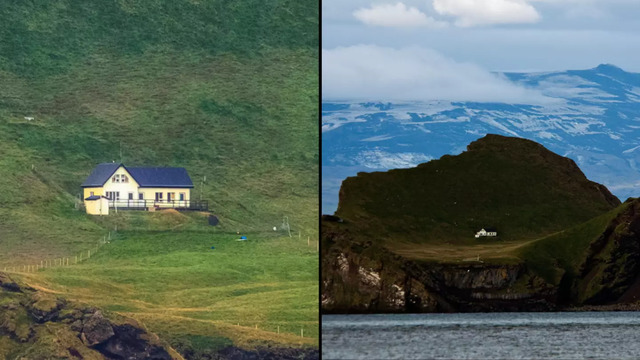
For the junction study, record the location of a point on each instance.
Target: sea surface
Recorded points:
(560, 335)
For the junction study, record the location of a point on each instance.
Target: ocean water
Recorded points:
(561, 335)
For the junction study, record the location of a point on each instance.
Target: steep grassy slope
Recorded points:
(594, 263)
(55, 36)
(227, 90)
(513, 184)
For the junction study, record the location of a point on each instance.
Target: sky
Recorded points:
(452, 49)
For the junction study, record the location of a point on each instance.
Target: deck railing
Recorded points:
(134, 204)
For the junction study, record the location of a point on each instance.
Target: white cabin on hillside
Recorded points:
(491, 232)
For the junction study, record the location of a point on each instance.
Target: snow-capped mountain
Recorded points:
(593, 117)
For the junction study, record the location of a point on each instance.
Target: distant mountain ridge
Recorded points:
(593, 118)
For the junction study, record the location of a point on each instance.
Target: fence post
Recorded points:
(301, 332)
(76, 259)
(278, 329)
(88, 254)
(308, 240)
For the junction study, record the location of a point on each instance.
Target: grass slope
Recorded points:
(513, 184)
(180, 287)
(564, 252)
(228, 90)
(225, 90)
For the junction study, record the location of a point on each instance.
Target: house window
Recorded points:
(130, 196)
(120, 178)
(140, 196)
(91, 193)
(182, 196)
(158, 196)
(171, 196)
(113, 195)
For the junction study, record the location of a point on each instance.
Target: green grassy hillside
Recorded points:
(228, 90)
(512, 184)
(182, 288)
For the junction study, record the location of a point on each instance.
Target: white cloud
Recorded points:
(486, 12)
(373, 73)
(398, 15)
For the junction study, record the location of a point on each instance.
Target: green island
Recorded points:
(404, 240)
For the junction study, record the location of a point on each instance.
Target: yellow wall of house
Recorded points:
(96, 191)
(150, 193)
(131, 186)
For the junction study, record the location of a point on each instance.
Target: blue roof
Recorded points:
(161, 176)
(144, 176)
(95, 197)
(101, 174)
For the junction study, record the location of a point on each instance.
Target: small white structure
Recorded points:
(487, 232)
(97, 205)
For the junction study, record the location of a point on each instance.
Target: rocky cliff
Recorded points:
(363, 278)
(36, 325)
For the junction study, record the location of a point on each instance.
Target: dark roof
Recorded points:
(101, 174)
(144, 176)
(161, 177)
(95, 197)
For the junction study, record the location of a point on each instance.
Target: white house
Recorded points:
(487, 232)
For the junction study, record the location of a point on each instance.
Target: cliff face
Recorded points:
(363, 277)
(373, 280)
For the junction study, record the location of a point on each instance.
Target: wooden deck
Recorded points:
(193, 205)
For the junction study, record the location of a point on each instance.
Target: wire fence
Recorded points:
(85, 255)
(46, 263)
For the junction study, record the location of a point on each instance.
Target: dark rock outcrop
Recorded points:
(43, 326)
(96, 329)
